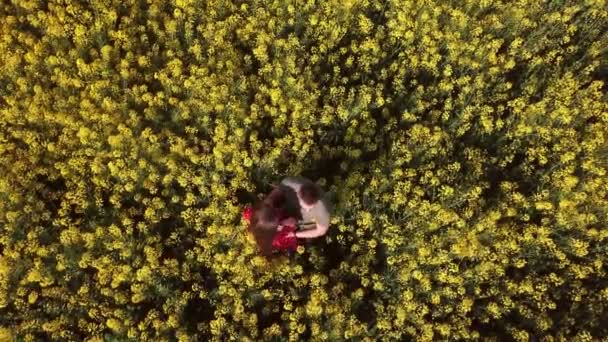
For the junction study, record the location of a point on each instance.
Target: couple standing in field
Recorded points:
(295, 209)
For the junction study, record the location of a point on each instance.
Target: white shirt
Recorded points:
(319, 213)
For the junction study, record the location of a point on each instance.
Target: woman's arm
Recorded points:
(290, 221)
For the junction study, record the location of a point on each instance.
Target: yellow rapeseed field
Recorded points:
(465, 144)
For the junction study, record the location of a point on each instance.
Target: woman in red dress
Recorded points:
(272, 225)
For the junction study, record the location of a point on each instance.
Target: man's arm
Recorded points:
(319, 230)
(322, 223)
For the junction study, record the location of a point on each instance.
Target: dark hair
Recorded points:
(263, 226)
(276, 197)
(310, 193)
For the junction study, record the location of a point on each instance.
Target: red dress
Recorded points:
(281, 241)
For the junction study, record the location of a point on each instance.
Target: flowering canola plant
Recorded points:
(464, 145)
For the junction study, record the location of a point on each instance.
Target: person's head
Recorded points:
(276, 197)
(263, 225)
(309, 195)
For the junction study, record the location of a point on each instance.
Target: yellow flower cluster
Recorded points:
(464, 145)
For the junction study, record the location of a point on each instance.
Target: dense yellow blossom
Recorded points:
(464, 145)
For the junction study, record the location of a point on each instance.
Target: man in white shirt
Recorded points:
(314, 207)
